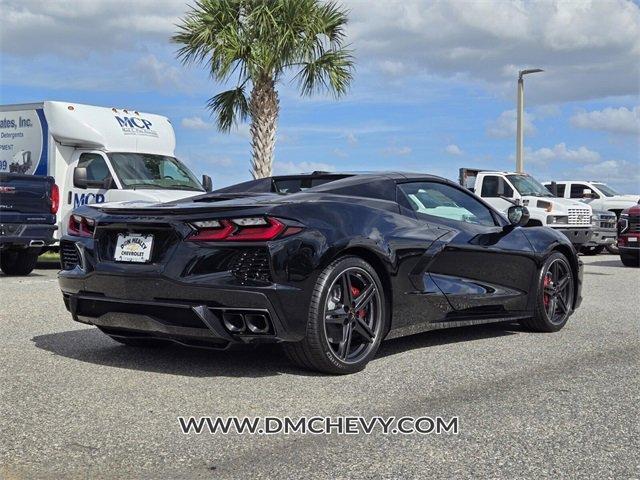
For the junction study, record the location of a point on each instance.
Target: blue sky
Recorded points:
(434, 87)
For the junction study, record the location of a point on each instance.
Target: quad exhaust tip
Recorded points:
(247, 323)
(257, 323)
(234, 322)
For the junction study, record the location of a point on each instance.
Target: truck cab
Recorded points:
(96, 154)
(598, 195)
(503, 189)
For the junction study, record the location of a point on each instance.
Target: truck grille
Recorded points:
(606, 221)
(579, 217)
(634, 224)
(69, 257)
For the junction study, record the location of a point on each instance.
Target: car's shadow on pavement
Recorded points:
(607, 263)
(92, 346)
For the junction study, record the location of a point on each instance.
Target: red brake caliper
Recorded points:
(545, 295)
(355, 292)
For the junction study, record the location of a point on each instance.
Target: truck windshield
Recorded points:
(606, 190)
(143, 170)
(529, 186)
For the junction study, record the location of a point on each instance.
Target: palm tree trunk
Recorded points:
(264, 107)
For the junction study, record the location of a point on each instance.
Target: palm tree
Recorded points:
(255, 43)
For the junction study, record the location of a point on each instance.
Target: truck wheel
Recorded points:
(19, 262)
(594, 250)
(347, 319)
(630, 260)
(554, 297)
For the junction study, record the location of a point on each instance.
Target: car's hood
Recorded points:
(624, 199)
(558, 201)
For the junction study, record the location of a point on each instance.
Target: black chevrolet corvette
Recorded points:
(327, 264)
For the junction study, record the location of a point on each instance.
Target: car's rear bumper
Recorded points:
(196, 314)
(25, 235)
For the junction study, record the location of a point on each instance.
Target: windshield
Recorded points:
(143, 170)
(606, 190)
(529, 186)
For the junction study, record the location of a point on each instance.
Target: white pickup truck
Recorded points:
(598, 195)
(503, 189)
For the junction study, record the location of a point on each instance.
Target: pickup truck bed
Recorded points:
(28, 206)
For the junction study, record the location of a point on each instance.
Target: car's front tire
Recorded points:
(554, 296)
(347, 319)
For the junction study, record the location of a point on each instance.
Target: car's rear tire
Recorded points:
(347, 319)
(593, 250)
(554, 296)
(630, 260)
(19, 262)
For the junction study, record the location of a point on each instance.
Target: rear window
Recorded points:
(293, 185)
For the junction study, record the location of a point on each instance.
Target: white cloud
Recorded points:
(620, 172)
(613, 120)
(340, 153)
(560, 153)
(505, 125)
(196, 123)
(453, 149)
(394, 150)
(289, 168)
(588, 48)
(159, 74)
(81, 28)
(351, 138)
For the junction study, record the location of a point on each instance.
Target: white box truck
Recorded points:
(502, 189)
(95, 154)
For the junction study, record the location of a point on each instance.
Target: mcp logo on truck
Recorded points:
(133, 122)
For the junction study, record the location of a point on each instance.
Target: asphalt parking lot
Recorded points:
(75, 404)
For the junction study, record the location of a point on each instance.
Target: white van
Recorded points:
(95, 154)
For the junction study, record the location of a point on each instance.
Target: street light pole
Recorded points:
(520, 120)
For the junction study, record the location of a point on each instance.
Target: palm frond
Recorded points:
(331, 71)
(229, 108)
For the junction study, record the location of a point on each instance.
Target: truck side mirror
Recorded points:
(587, 193)
(207, 183)
(108, 183)
(500, 188)
(80, 177)
(518, 215)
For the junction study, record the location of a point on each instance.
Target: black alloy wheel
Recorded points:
(352, 316)
(348, 317)
(555, 295)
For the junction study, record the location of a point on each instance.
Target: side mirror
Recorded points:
(108, 183)
(80, 177)
(518, 215)
(207, 183)
(587, 193)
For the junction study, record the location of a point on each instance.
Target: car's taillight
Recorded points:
(55, 198)
(252, 229)
(80, 226)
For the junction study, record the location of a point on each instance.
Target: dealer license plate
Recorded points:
(633, 239)
(131, 247)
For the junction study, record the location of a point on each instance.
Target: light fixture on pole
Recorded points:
(519, 126)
